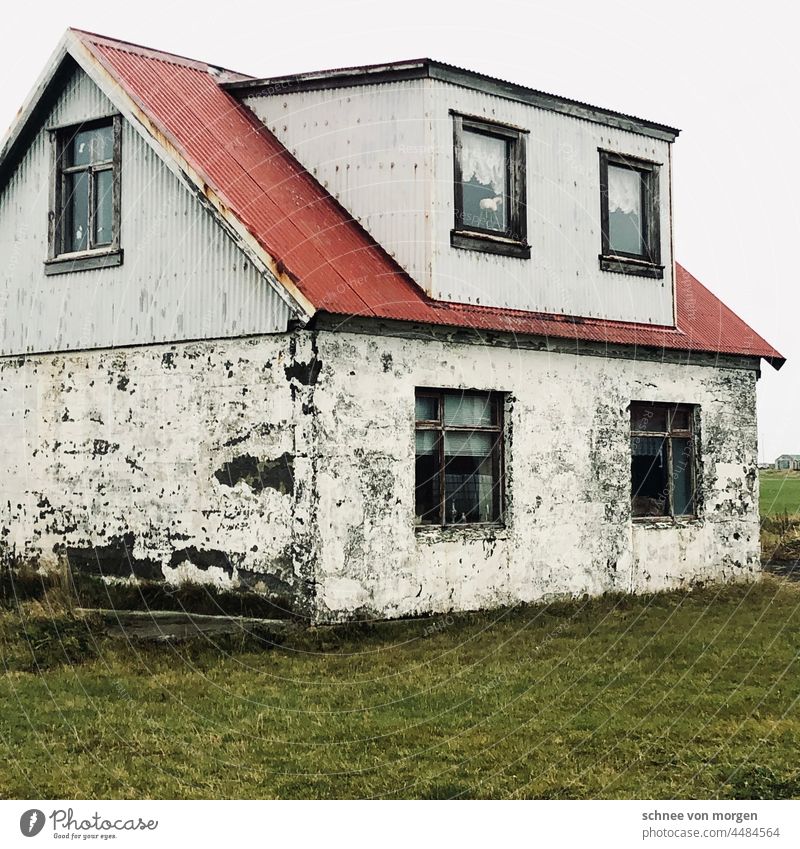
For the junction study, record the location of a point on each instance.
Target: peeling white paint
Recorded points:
(139, 441)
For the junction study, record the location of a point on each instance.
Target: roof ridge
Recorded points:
(154, 53)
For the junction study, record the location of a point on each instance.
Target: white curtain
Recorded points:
(484, 159)
(624, 190)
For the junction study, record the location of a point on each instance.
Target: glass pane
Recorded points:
(484, 176)
(103, 144)
(76, 206)
(648, 417)
(679, 419)
(426, 491)
(649, 476)
(103, 192)
(470, 478)
(625, 210)
(682, 477)
(427, 408)
(92, 146)
(466, 410)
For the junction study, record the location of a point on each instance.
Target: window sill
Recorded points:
(460, 533)
(628, 265)
(84, 261)
(665, 522)
(483, 242)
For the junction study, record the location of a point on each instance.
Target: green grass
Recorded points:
(686, 695)
(780, 493)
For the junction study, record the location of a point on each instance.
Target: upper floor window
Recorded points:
(459, 457)
(85, 212)
(631, 241)
(489, 162)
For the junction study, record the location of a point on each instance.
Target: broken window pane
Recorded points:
(427, 408)
(103, 144)
(648, 417)
(679, 419)
(103, 218)
(649, 476)
(467, 410)
(662, 467)
(682, 485)
(86, 180)
(427, 492)
(92, 147)
(625, 210)
(77, 211)
(484, 176)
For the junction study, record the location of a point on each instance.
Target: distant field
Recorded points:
(780, 493)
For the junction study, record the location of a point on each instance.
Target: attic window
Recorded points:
(630, 210)
(489, 175)
(85, 212)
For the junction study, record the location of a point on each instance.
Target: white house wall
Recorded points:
(176, 462)
(386, 152)
(569, 527)
(180, 453)
(182, 277)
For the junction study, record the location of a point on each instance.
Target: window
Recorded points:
(631, 243)
(459, 463)
(662, 460)
(84, 214)
(489, 162)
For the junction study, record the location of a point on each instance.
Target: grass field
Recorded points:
(780, 493)
(675, 695)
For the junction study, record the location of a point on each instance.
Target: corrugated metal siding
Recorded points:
(182, 277)
(369, 146)
(386, 152)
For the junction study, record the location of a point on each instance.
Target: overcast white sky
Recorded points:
(727, 74)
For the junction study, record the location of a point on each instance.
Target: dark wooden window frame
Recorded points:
(60, 261)
(648, 263)
(498, 457)
(690, 433)
(514, 242)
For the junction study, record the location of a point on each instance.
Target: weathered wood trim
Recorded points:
(512, 243)
(623, 265)
(429, 69)
(70, 263)
(643, 265)
(472, 240)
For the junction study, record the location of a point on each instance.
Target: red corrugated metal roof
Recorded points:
(332, 260)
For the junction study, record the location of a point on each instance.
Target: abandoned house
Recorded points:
(375, 341)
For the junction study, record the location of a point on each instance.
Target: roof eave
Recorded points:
(414, 69)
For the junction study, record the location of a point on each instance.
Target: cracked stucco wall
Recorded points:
(568, 526)
(285, 463)
(183, 461)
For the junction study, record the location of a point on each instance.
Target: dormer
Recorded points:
(487, 192)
